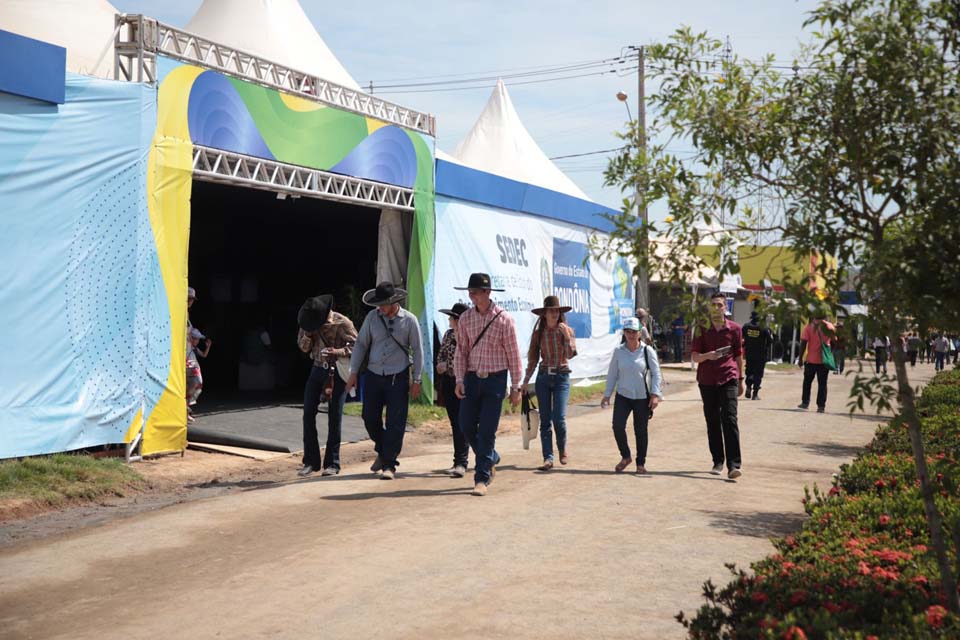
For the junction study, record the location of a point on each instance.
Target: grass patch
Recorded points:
(57, 479)
(419, 414)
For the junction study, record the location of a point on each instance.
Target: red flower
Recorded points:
(833, 491)
(890, 555)
(935, 616)
(863, 568)
(831, 607)
(880, 484)
(794, 633)
(884, 520)
(798, 597)
(921, 580)
(759, 597)
(920, 548)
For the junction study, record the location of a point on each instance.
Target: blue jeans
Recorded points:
(940, 357)
(553, 391)
(479, 418)
(390, 392)
(311, 402)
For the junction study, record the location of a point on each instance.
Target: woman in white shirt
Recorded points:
(628, 375)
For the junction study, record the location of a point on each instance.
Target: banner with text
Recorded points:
(531, 258)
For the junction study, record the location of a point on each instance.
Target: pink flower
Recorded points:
(863, 568)
(884, 520)
(794, 633)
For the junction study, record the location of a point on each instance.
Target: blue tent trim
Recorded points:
(32, 69)
(464, 183)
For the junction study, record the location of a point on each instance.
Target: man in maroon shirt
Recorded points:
(718, 351)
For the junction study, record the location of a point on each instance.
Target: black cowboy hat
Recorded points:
(456, 311)
(384, 293)
(314, 312)
(478, 281)
(550, 302)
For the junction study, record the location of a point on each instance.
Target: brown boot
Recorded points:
(563, 457)
(623, 464)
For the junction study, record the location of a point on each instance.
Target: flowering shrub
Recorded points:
(860, 567)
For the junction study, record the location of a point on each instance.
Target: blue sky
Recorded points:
(389, 41)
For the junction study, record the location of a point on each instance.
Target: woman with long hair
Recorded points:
(552, 344)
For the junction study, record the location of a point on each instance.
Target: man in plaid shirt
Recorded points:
(486, 349)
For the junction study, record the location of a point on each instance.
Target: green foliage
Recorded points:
(861, 565)
(54, 480)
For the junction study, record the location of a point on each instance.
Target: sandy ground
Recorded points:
(575, 553)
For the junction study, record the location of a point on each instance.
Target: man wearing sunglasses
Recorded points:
(486, 349)
(389, 348)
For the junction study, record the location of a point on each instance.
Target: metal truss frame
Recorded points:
(225, 167)
(139, 40)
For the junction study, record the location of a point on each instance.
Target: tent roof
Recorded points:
(277, 30)
(83, 27)
(500, 144)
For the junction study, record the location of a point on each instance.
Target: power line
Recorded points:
(588, 153)
(496, 72)
(512, 84)
(557, 69)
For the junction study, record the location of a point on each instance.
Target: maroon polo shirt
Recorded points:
(721, 370)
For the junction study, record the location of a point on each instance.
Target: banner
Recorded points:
(533, 257)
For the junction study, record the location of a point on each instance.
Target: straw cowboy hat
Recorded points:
(314, 312)
(478, 281)
(456, 311)
(384, 293)
(550, 302)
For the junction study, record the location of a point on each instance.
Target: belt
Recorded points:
(487, 374)
(552, 371)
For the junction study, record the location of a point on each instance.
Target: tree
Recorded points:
(858, 143)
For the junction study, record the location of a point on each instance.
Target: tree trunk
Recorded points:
(908, 410)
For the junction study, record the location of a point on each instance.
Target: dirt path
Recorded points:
(579, 552)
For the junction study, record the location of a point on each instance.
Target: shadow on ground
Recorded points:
(831, 449)
(759, 524)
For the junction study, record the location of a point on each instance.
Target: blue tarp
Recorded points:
(84, 329)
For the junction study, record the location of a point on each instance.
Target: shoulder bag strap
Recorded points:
(486, 327)
(406, 350)
(646, 358)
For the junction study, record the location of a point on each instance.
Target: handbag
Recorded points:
(826, 353)
(529, 419)
(646, 359)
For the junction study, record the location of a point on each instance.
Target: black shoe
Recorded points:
(821, 409)
(803, 406)
(756, 394)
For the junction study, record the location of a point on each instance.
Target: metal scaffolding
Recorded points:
(214, 165)
(139, 40)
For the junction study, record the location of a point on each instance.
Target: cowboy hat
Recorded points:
(550, 302)
(478, 281)
(314, 312)
(384, 293)
(456, 311)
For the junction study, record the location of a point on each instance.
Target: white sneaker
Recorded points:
(734, 473)
(458, 471)
(330, 471)
(387, 474)
(717, 469)
(479, 489)
(305, 470)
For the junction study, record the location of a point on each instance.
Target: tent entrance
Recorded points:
(253, 259)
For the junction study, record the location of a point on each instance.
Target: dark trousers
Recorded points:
(821, 373)
(720, 411)
(880, 358)
(754, 373)
(461, 448)
(480, 417)
(678, 347)
(311, 403)
(939, 358)
(913, 358)
(840, 357)
(622, 407)
(390, 392)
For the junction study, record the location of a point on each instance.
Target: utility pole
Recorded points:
(643, 284)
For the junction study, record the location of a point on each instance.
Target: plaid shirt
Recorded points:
(556, 347)
(498, 350)
(337, 332)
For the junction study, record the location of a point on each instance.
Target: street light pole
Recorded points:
(643, 284)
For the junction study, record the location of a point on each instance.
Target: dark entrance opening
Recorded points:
(253, 260)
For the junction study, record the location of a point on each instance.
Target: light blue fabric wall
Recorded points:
(84, 336)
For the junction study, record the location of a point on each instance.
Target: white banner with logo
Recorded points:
(533, 257)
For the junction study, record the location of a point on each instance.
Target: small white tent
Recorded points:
(83, 27)
(500, 144)
(277, 30)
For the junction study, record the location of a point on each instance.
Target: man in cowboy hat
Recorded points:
(389, 342)
(325, 335)
(486, 349)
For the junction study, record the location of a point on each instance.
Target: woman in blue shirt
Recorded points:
(628, 374)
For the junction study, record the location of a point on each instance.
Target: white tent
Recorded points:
(83, 27)
(500, 144)
(277, 30)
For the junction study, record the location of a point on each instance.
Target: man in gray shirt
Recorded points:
(387, 346)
